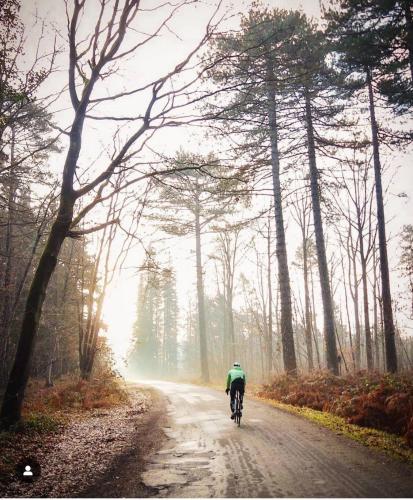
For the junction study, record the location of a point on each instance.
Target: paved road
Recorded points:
(272, 454)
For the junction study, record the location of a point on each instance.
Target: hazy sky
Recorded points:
(164, 53)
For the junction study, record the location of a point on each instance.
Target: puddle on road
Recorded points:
(185, 466)
(165, 478)
(192, 445)
(189, 465)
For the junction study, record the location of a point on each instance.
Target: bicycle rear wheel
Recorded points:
(238, 408)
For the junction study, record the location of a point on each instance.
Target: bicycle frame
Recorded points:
(238, 405)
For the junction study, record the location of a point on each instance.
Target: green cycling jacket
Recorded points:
(234, 373)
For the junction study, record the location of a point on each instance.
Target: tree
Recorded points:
(315, 86)
(386, 28)
(360, 193)
(359, 57)
(145, 356)
(249, 63)
(406, 259)
(197, 189)
(89, 62)
(228, 242)
(301, 214)
(170, 322)
(26, 140)
(18, 88)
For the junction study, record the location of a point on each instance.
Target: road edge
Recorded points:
(124, 475)
(391, 444)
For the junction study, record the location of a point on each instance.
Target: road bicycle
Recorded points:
(238, 407)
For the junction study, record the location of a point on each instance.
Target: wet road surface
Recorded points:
(272, 454)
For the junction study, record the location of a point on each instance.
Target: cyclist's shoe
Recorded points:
(232, 416)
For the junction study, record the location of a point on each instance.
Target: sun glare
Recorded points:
(119, 315)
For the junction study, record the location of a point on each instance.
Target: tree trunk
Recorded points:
(309, 343)
(409, 29)
(226, 356)
(329, 331)
(230, 315)
(13, 397)
(348, 316)
(369, 347)
(314, 320)
(389, 334)
(201, 303)
(375, 313)
(270, 326)
(261, 357)
(52, 360)
(287, 336)
(356, 314)
(6, 313)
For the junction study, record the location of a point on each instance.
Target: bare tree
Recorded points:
(92, 60)
(301, 213)
(360, 192)
(228, 247)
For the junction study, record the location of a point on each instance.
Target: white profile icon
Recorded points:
(28, 471)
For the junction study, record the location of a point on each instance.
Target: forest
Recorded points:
(309, 121)
(244, 182)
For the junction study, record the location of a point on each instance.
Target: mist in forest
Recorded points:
(196, 185)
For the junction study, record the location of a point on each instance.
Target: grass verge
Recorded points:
(392, 445)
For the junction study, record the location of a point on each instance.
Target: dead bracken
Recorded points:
(378, 401)
(72, 450)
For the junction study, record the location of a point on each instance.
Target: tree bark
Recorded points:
(355, 296)
(309, 343)
(13, 397)
(287, 336)
(389, 332)
(229, 255)
(329, 330)
(348, 316)
(270, 326)
(409, 28)
(369, 347)
(375, 313)
(8, 271)
(14, 394)
(314, 320)
(201, 301)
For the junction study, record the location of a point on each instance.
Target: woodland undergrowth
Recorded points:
(372, 400)
(48, 410)
(72, 393)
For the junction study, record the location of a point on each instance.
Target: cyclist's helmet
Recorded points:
(237, 364)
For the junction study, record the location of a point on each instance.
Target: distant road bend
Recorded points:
(272, 454)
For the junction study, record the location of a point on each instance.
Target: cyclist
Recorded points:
(235, 380)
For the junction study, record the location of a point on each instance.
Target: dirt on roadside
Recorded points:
(100, 455)
(123, 477)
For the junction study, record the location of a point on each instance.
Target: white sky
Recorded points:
(164, 53)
